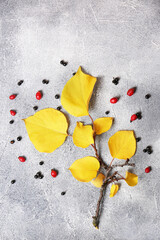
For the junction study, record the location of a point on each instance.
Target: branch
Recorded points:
(125, 164)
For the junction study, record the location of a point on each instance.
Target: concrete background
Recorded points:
(108, 38)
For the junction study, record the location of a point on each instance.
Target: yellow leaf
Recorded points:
(114, 190)
(102, 124)
(131, 179)
(77, 92)
(98, 181)
(85, 169)
(83, 135)
(47, 129)
(122, 144)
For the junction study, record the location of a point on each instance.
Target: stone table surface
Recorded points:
(108, 38)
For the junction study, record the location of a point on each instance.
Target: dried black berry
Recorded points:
(63, 63)
(47, 81)
(139, 115)
(13, 181)
(138, 139)
(41, 163)
(150, 151)
(107, 112)
(63, 193)
(74, 73)
(19, 138)
(144, 150)
(44, 81)
(148, 96)
(148, 148)
(41, 176)
(20, 82)
(11, 122)
(57, 96)
(36, 176)
(59, 108)
(12, 141)
(116, 80)
(35, 108)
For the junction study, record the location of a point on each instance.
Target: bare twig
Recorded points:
(125, 164)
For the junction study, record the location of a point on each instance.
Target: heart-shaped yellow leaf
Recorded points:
(98, 181)
(47, 129)
(114, 190)
(122, 144)
(77, 92)
(131, 179)
(102, 125)
(85, 169)
(83, 135)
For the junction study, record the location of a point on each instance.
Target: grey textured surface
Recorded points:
(108, 38)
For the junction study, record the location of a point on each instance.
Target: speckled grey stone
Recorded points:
(108, 38)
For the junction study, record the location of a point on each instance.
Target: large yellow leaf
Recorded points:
(98, 181)
(102, 124)
(85, 169)
(122, 144)
(114, 190)
(47, 129)
(77, 92)
(83, 135)
(131, 179)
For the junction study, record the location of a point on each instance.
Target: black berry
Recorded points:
(41, 176)
(12, 141)
(36, 176)
(13, 181)
(148, 148)
(144, 150)
(47, 81)
(138, 139)
(57, 96)
(115, 80)
(63, 193)
(74, 73)
(41, 163)
(19, 138)
(139, 115)
(20, 82)
(63, 63)
(59, 108)
(35, 108)
(148, 96)
(11, 122)
(107, 112)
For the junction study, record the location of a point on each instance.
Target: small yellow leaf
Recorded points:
(102, 124)
(83, 135)
(114, 190)
(77, 92)
(47, 129)
(122, 144)
(131, 179)
(85, 169)
(98, 181)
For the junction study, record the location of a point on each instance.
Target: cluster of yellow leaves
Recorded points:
(47, 130)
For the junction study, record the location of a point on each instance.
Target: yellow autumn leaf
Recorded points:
(122, 144)
(102, 125)
(114, 190)
(98, 181)
(83, 135)
(131, 179)
(47, 129)
(77, 92)
(85, 169)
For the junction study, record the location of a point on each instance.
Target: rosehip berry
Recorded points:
(114, 100)
(148, 169)
(22, 159)
(38, 95)
(54, 173)
(12, 112)
(133, 117)
(131, 91)
(13, 96)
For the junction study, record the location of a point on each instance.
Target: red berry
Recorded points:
(114, 100)
(54, 173)
(131, 91)
(12, 112)
(22, 159)
(13, 96)
(148, 169)
(38, 95)
(133, 117)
